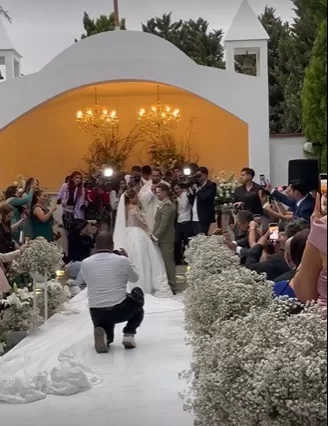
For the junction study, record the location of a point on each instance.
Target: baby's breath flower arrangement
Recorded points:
(58, 295)
(18, 314)
(41, 257)
(255, 362)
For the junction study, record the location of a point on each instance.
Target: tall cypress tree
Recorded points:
(279, 32)
(314, 97)
(297, 55)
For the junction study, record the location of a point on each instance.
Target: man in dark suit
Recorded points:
(299, 200)
(247, 186)
(202, 201)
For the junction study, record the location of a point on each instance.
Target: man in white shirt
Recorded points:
(147, 197)
(107, 274)
(183, 228)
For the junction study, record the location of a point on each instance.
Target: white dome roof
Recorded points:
(118, 46)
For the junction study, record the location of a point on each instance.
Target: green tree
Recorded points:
(100, 25)
(279, 32)
(191, 37)
(296, 54)
(5, 14)
(314, 97)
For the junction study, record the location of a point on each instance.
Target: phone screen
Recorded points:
(274, 231)
(323, 183)
(262, 180)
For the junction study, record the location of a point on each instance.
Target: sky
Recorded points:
(43, 28)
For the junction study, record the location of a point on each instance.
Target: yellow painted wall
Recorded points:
(47, 144)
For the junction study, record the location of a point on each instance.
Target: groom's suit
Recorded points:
(164, 232)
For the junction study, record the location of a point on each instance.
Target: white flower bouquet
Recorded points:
(58, 295)
(41, 257)
(225, 190)
(18, 314)
(256, 360)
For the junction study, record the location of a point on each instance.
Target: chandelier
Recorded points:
(97, 120)
(159, 118)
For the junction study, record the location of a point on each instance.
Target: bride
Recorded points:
(132, 234)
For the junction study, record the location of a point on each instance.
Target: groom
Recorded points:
(164, 231)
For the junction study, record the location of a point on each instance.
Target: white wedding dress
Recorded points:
(131, 233)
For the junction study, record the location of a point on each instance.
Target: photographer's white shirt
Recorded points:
(106, 275)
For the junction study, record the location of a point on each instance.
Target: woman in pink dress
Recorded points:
(310, 282)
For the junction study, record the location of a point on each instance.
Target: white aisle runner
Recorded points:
(138, 387)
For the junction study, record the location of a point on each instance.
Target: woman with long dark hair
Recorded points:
(72, 198)
(27, 225)
(7, 244)
(19, 205)
(41, 216)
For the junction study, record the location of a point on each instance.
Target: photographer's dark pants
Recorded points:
(183, 231)
(130, 310)
(201, 228)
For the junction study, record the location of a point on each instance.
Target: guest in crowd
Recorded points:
(19, 204)
(275, 264)
(247, 185)
(164, 231)
(243, 220)
(27, 225)
(146, 173)
(202, 200)
(81, 239)
(72, 198)
(42, 219)
(299, 199)
(135, 179)
(107, 274)
(183, 228)
(168, 177)
(294, 250)
(252, 203)
(310, 280)
(147, 197)
(176, 174)
(7, 243)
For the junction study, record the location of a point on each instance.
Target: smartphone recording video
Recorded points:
(262, 180)
(323, 183)
(273, 232)
(323, 192)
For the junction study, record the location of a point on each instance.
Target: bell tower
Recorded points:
(10, 59)
(247, 37)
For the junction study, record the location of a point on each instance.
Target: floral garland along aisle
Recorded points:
(256, 360)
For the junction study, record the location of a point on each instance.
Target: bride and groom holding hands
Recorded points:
(145, 229)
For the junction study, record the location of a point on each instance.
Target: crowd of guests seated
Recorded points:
(294, 255)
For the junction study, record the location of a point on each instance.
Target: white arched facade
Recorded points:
(136, 56)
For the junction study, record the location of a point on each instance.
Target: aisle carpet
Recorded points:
(139, 387)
